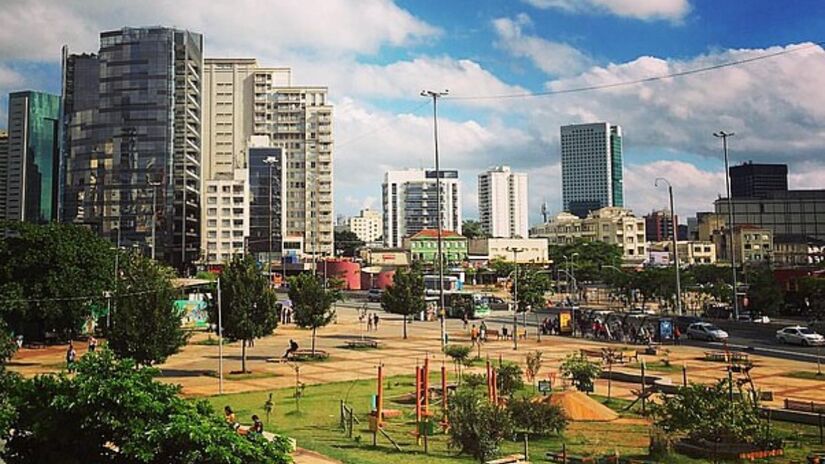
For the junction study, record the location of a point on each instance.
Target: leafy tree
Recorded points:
(509, 378)
(406, 294)
(312, 302)
(581, 370)
(537, 417)
(113, 412)
(347, 242)
(460, 355)
(531, 289)
(477, 427)
(54, 264)
(146, 326)
(501, 267)
(471, 229)
(534, 362)
(706, 412)
(764, 293)
(812, 292)
(248, 304)
(590, 258)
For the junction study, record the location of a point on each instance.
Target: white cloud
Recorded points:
(693, 189)
(553, 58)
(673, 10)
(36, 29)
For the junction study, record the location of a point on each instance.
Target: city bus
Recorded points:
(476, 305)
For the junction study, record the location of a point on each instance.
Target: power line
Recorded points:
(636, 81)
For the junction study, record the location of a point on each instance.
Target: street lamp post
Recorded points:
(220, 340)
(515, 251)
(270, 161)
(675, 227)
(435, 95)
(724, 136)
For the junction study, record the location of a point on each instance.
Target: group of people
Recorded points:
(286, 315)
(550, 326)
(71, 353)
(478, 334)
(257, 426)
(372, 322)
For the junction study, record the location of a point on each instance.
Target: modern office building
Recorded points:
(132, 146)
(502, 202)
(4, 163)
(591, 167)
(267, 187)
(659, 226)
(751, 180)
(410, 203)
(796, 212)
(367, 225)
(226, 222)
(616, 226)
(29, 165)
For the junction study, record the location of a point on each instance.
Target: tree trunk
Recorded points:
(243, 357)
(405, 326)
(313, 341)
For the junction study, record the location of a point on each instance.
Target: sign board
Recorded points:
(426, 427)
(545, 386)
(665, 329)
(565, 322)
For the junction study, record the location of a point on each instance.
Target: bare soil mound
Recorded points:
(580, 407)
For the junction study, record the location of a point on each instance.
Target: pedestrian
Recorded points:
(504, 331)
(19, 340)
(677, 335)
(257, 425)
(229, 417)
(466, 321)
(369, 323)
(92, 344)
(474, 334)
(71, 357)
(375, 321)
(483, 332)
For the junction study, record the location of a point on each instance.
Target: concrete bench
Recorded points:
(511, 459)
(367, 343)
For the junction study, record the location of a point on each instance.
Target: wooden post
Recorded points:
(643, 387)
(418, 403)
(350, 422)
(444, 388)
(821, 435)
(609, 377)
(341, 414)
(495, 386)
(564, 453)
(526, 447)
(489, 382)
(684, 374)
(426, 385)
(379, 401)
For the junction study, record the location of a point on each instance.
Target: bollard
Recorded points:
(821, 436)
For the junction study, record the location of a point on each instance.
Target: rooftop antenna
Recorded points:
(544, 211)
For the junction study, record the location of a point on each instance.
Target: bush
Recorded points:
(540, 418)
(581, 370)
(477, 427)
(509, 379)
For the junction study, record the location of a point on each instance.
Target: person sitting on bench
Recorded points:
(293, 347)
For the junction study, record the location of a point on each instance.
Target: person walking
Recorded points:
(71, 357)
(92, 344)
(369, 323)
(375, 321)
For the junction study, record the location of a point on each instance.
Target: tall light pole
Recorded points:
(155, 186)
(220, 341)
(724, 136)
(675, 226)
(515, 251)
(270, 161)
(435, 95)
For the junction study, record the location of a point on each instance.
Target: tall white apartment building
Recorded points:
(242, 100)
(591, 167)
(502, 202)
(367, 225)
(410, 206)
(226, 212)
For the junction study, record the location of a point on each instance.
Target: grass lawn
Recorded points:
(316, 427)
(656, 366)
(808, 375)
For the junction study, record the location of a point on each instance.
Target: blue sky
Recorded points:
(376, 55)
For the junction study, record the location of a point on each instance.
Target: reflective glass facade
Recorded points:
(267, 195)
(132, 146)
(30, 166)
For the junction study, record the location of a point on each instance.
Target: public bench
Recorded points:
(366, 343)
(592, 353)
(804, 406)
(511, 459)
(724, 356)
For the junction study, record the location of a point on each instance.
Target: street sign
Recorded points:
(545, 386)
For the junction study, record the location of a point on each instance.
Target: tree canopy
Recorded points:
(406, 294)
(471, 229)
(347, 242)
(587, 258)
(249, 306)
(312, 302)
(531, 288)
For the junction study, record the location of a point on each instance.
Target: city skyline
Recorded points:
(375, 61)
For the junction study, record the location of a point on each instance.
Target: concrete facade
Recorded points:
(502, 202)
(410, 206)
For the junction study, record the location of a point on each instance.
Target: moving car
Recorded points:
(706, 331)
(800, 335)
(374, 294)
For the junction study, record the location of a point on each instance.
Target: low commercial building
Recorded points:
(385, 257)
(530, 250)
(797, 250)
(690, 252)
(752, 244)
(423, 246)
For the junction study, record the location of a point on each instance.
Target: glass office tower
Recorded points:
(29, 186)
(132, 146)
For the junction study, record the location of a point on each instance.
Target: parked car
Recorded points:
(755, 318)
(374, 294)
(800, 335)
(706, 331)
(683, 322)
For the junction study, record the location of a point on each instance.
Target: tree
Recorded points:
(581, 370)
(764, 293)
(460, 355)
(533, 367)
(471, 229)
(509, 378)
(812, 292)
(477, 427)
(537, 417)
(531, 289)
(249, 307)
(146, 326)
(312, 302)
(347, 242)
(406, 294)
(54, 264)
(590, 257)
(113, 412)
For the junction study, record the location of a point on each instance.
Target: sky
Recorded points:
(377, 55)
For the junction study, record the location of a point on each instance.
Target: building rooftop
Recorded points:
(433, 233)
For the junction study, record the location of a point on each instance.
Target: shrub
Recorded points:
(540, 418)
(509, 379)
(581, 370)
(477, 427)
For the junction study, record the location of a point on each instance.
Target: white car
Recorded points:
(706, 331)
(800, 336)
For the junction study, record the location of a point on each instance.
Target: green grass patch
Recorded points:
(207, 342)
(656, 366)
(807, 375)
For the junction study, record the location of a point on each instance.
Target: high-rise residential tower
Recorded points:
(502, 202)
(409, 201)
(29, 162)
(591, 167)
(132, 141)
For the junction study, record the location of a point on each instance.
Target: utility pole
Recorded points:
(724, 136)
(675, 226)
(220, 341)
(155, 186)
(515, 251)
(435, 95)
